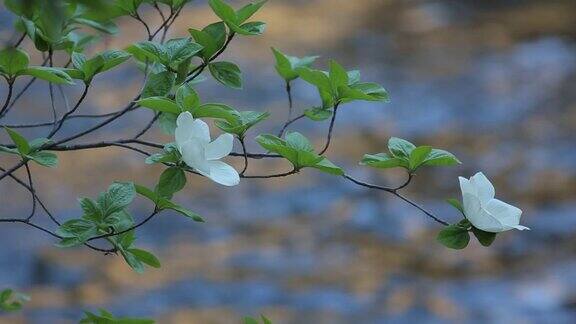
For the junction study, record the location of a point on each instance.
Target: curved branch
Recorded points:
(60, 123)
(5, 106)
(332, 122)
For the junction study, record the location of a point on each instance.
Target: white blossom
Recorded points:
(483, 210)
(202, 154)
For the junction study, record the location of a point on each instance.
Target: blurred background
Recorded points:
(492, 81)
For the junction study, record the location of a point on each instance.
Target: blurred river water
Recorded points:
(491, 81)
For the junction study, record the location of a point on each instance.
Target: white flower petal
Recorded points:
(479, 217)
(184, 118)
(183, 132)
(193, 154)
(521, 228)
(483, 186)
(200, 130)
(223, 173)
(221, 147)
(466, 187)
(507, 214)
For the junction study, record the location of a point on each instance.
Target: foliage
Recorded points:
(172, 68)
(12, 301)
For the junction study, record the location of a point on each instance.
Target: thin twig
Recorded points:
(148, 126)
(279, 175)
(290, 108)
(70, 112)
(31, 184)
(288, 123)
(332, 122)
(5, 106)
(245, 154)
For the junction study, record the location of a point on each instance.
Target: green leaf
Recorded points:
(169, 154)
(180, 50)
(485, 238)
(107, 27)
(129, 7)
(298, 150)
(152, 51)
(456, 204)
(37, 143)
(364, 91)
(90, 208)
(224, 11)
(254, 28)
(249, 10)
(238, 123)
(146, 257)
(92, 67)
(19, 140)
(227, 73)
(441, 158)
(76, 232)
(299, 142)
(118, 196)
(49, 74)
(133, 261)
(250, 320)
(171, 181)
(9, 150)
(315, 77)
(277, 145)
(400, 148)
(167, 123)
(187, 98)
(74, 73)
(418, 156)
(163, 203)
(326, 166)
(47, 159)
(107, 318)
(113, 58)
(78, 60)
(353, 77)
(159, 84)
(286, 65)
(454, 237)
(12, 301)
(338, 75)
(218, 33)
(265, 320)
(383, 161)
(13, 60)
(215, 110)
(318, 113)
(161, 104)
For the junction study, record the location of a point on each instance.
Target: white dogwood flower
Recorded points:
(202, 154)
(483, 210)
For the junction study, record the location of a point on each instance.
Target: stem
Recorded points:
(198, 70)
(148, 126)
(280, 175)
(5, 106)
(288, 123)
(332, 122)
(31, 191)
(146, 220)
(12, 169)
(245, 154)
(70, 112)
(26, 87)
(429, 214)
(290, 108)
